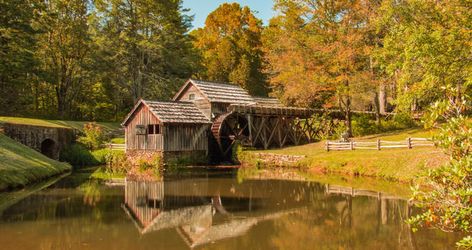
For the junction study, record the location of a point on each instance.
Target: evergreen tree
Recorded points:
(17, 46)
(144, 47)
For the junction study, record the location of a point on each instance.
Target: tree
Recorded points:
(230, 46)
(320, 53)
(427, 48)
(63, 48)
(143, 47)
(17, 46)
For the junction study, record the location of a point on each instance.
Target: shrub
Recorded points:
(448, 203)
(404, 120)
(236, 151)
(116, 162)
(364, 125)
(94, 136)
(78, 156)
(149, 163)
(101, 155)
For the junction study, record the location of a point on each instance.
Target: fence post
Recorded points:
(327, 146)
(378, 144)
(408, 141)
(351, 145)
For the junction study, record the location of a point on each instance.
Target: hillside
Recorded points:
(21, 165)
(108, 126)
(391, 164)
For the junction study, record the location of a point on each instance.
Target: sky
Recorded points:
(201, 8)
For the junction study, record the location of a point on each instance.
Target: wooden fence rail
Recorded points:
(379, 144)
(114, 146)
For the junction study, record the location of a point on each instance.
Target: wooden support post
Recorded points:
(273, 131)
(378, 144)
(279, 131)
(249, 122)
(327, 146)
(261, 126)
(351, 145)
(408, 142)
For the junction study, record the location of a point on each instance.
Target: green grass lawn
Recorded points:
(21, 165)
(118, 140)
(391, 164)
(109, 126)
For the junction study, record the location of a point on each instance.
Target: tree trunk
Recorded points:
(347, 116)
(382, 99)
(376, 102)
(60, 105)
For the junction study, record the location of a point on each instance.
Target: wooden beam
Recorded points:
(273, 131)
(260, 128)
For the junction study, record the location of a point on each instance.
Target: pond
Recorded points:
(212, 210)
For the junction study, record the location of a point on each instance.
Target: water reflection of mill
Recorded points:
(204, 211)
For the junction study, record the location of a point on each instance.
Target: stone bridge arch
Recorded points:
(46, 140)
(49, 148)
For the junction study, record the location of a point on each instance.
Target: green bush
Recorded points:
(94, 136)
(404, 120)
(149, 163)
(78, 156)
(364, 125)
(101, 155)
(367, 125)
(236, 151)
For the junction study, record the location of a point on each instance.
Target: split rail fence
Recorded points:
(379, 144)
(114, 146)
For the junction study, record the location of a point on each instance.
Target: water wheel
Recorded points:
(227, 129)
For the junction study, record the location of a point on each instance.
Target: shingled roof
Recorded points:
(220, 92)
(172, 112)
(267, 101)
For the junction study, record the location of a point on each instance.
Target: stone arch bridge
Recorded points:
(46, 140)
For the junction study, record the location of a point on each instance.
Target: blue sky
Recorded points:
(201, 8)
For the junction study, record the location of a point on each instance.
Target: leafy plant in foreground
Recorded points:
(447, 203)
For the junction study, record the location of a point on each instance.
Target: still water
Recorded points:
(210, 210)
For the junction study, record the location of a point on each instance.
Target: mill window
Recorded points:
(153, 129)
(191, 97)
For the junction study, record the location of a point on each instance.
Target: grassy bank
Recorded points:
(79, 125)
(21, 165)
(390, 164)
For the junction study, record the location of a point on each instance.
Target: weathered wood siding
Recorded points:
(205, 106)
(185, 96)
(200, 101)
(185, 137)
(219, 108)
(142, 116)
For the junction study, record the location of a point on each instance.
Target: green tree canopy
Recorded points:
(17, 47)
(144, 47)
(230, 46)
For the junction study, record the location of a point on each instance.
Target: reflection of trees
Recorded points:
(343, 221)
(57, 218)
(91, 191)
